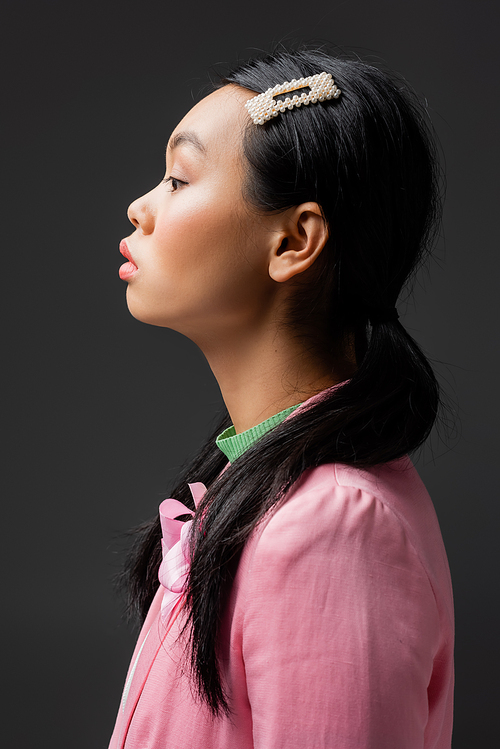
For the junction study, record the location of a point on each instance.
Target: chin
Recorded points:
(149, 316)
(140, 311)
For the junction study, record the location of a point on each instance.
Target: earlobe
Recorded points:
(299, 242)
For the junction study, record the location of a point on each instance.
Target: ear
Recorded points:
(299, 241)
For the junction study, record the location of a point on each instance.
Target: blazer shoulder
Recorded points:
(338, 501)
(390, 483)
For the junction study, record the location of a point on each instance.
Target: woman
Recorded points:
(308, 601)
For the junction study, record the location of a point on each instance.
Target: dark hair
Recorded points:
(369, 160)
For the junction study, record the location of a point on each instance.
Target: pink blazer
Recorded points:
(338, 633)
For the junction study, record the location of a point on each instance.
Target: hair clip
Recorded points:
(263, 106)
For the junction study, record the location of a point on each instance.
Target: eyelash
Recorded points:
(173, 180)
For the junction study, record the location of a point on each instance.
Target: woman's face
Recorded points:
(200, 253)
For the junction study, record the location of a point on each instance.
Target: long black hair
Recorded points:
(369, 160)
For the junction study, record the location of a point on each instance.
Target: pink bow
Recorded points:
(174, 568)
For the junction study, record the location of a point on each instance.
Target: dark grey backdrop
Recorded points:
(102, 410)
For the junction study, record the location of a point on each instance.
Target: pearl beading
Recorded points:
(263, 107)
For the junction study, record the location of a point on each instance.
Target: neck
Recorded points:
(265, 372)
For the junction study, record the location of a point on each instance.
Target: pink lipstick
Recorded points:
(127, 270)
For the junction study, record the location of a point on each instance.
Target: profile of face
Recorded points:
(203, 262)
(199, 252)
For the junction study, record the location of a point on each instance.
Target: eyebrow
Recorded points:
(188, 138)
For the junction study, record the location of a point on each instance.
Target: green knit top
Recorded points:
(233, 445)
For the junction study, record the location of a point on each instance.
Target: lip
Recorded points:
(127, 270)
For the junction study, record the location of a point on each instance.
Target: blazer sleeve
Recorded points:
(339, 626)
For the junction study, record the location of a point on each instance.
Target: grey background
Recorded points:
(100, 411)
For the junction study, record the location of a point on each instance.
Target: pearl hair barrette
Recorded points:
(263, 107)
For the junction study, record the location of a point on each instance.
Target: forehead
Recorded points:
(217, 121)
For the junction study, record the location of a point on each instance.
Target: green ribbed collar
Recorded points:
(233, 445)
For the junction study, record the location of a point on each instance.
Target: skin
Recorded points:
(215, 270)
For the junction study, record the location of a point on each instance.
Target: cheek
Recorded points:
(196, 237)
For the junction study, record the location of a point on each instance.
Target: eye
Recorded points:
(174, 183)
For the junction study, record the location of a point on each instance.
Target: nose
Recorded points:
(141, 214)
